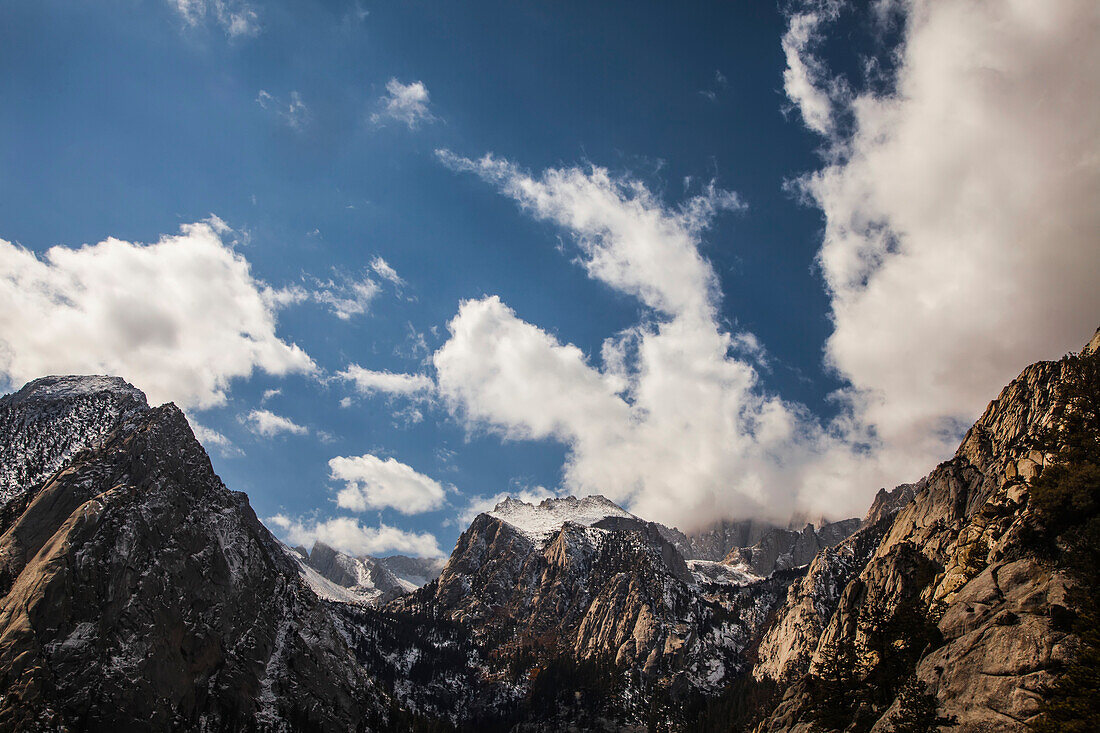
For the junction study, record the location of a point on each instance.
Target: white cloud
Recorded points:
(511, 376)
(345, 296)
(348, 535)
(960, 245)
(407, 103)
(267, 424)
(386, 272)
(235, 17)
(212, 439)
(269, 393)
(961, 215)
(294, 112)
(368, 382)
(179, 318)
(674, 424)
(373, 483)
(805, 80)
(629, 240)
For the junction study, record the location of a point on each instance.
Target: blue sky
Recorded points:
(336, 149)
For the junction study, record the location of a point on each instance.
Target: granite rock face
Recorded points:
(559, 578)
(138, 588)
(952, 543)
(783, 549)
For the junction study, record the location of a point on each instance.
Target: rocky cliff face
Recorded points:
(586, 579)
(138, 588)
(783, 549)
(48, 421)
(955, 551)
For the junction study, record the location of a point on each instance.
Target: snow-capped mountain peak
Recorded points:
(61, 387)
(539, 521)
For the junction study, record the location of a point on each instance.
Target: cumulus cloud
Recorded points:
(407, 103)
(267, 424)
(235, 17)
(511, 376)
(368, 382)
(674, 421)
(375, 483)
(348, 535)
(180, 318)
(960, 245)
(961, 223)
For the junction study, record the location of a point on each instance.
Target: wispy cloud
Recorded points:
(386, 272)
(267, 424)
(293, 112)
(719, 85)
(346, 295)
(212, 439)
(235, 17)
(368, 382)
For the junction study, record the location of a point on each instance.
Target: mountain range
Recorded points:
(139, 592)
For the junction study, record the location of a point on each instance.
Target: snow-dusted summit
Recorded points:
(538, 522)
(72, 386)
(52, 419)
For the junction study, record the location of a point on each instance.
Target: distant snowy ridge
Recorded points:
(538, 522)
(365, 580)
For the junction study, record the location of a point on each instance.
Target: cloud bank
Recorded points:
(180, 318)
(961, 223)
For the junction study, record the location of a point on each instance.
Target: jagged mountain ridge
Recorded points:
(367, 580)
(131, 524)
(138, 588)
(585, 578)
(953, 544)
(125, 495)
